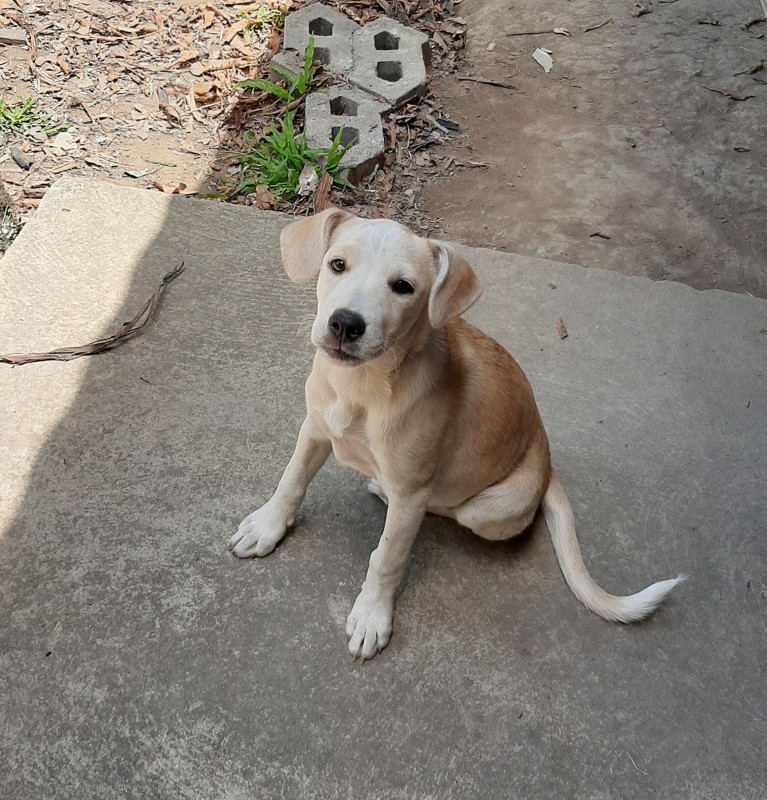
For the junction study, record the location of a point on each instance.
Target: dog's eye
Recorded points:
(402, 287)
(337, 265)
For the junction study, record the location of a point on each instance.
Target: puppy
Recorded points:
(438, 415)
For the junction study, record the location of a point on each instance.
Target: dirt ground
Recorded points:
(625, 156)
(622, 139)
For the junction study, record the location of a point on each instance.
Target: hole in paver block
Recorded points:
(386, 41)
(322, 54)
(389, 70)
(343, 106)
(348, 135)
(320, 27)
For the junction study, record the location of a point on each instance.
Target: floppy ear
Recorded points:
(455, 288)
(304, 243)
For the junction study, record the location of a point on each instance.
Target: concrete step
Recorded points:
(138, 658)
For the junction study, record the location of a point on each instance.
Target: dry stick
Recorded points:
(598, 26)
(487, 81)
(321, 201)
(728, 93)
(531, 33)
(127, 331)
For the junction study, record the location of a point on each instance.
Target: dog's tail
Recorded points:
(631, 608)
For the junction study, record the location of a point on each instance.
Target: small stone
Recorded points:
(66, 140)
(17, 36)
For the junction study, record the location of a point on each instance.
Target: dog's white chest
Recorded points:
(347, 428)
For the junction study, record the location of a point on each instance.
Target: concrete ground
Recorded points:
(138, 659)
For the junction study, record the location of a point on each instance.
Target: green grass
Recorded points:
(295, 85)
(277, 158)
(260, 18)
(19, 116)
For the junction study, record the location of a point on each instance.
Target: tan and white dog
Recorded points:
(438, 415)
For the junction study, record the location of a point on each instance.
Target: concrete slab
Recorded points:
(138, 659)
(359, 115)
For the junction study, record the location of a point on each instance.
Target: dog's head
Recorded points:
(380, 286)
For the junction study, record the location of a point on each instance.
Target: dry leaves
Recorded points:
(149, 93)
(127, 331)
(728, 93)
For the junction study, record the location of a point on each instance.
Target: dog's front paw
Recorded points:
(369, 625)
(259, 533)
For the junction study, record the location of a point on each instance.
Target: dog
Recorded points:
(436, 414)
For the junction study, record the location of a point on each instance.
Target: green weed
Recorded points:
(262, 17)
(18, 117)
(295, 85)
(277, 158)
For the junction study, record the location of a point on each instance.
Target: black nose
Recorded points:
(345, 325)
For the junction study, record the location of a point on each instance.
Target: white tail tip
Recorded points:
(640, 605)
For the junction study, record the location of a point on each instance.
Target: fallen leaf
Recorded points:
(264, 198)
(561, 330)
(127, 331)
(201, 89)
(165, 106)
(307, 180)
(166, 188)
(233, 30)
(185, 57)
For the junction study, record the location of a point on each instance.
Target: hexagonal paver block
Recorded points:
(390, 61)
(359, 114)
(332, 33)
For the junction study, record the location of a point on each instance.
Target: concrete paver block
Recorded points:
(332, 33)
(359, 114)
(390, 61)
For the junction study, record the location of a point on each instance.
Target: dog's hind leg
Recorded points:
(504, 510)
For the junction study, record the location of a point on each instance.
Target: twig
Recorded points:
(753, 69)
(634, 763)
(127, 331)
(321, 201)
(488, 81)
(728, 93)
(561, 31)
(598, 25)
